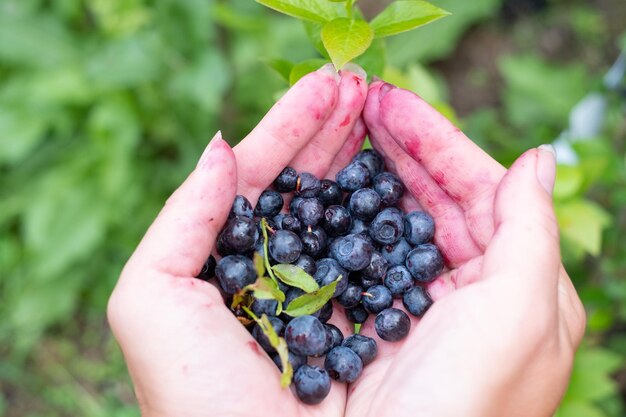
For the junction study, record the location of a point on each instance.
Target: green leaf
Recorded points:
(346, 39)
(357, 328)
(582, 222)
(303, 68)
(591, 376)
(266, 250)
(310, 303)
(313, 10)
(259, 264)
(569, 180)
(374, 59)
(314, 33)
(578, 409)
(404, 15)
(296, 277)
(281, 66)
(266, 289)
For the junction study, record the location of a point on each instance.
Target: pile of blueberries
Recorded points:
(351, 229)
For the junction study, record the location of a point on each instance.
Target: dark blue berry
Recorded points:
(241, 207)
(296, 361)
(286, 180)
(291, 223)
(398, 280)
(312, 384)
(364, 204)
(238, 236)
(354, 176)
(329, 270)
(325, 313)
(308, 185)
(419, 227)
(363, 346)
(425, 262)
(234, 272)
(396, 253)
(305, 335)
(377, 268)
(267, 307)
(372, 160)
(343, 364)
(417, 301)
(366, 282)
(337, 336)
(208, 269)
(314, 241)
(294, 204)
(336, 220)
(377, 299)
(257, 333)
(353, 252)
(330, 194)
(269, 205)
(310, 211)
(387, 227)
(392, 324)
(351, 297)
(357, 314)
(306, 263)
(285, 246)
(389, 187)
(359, 227)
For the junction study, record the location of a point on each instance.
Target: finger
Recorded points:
(349, 149)
(463, 170)
(572, 310)
(180, 239)
(451, 232)
(317, 156)
(285, 130)
(450, 281)
(525, 248)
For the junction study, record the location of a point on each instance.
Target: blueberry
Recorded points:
(377, 268)
(208, 269)
(354, 176)
(286, 180)
(389, 187)
(325, 313)
(364, 204)
(308, 185)
(241, 207)
(387, 227)
(337, 336)
(417, 301)
(285, 246)
(238, 236)
(396, 253)
(307, 263)
(363, 346)
(267, 307)
(291, 223)
(359, 227)
(357, 314)
(294, 204)
(336, 220)
(398, 280)
(305, 335)
(425, 262)
(392, 324)
(372, 160)
(234, 272)
(329, 270)
(330, 194)
(269, 205)
(257, 333)
(376, 299)
(296, 361)
(314, 241)
(343, 364)
(290, 295)
(353, 252)
(312, 384)
(369, 282)
(419, 227)
(310, 211)
(351, 297)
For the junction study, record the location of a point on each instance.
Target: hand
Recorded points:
(501, 336)
(186, 352)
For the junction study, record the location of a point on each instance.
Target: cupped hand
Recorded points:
(186, 353)
(500, 338)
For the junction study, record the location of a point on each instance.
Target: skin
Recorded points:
(498, 341)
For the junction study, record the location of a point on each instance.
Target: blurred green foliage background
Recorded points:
(105, 105)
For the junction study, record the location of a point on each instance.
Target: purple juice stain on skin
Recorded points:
(345, 122)
(254, 346)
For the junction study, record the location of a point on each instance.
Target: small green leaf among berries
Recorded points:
(296, 277)
(404, 15)
(346, 39)
(265, 289)
(311, 302)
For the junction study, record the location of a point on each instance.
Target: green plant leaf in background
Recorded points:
(404, 15)
(311, 302)
(303, 68)
(281, 66)
(346, 39)
(296, 277)
(313, 10)
(582, 222)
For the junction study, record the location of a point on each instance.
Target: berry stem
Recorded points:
(268, 267)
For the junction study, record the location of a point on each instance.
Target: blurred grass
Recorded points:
(106, 104)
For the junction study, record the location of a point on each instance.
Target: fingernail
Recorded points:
(355, 69)
(207, 151)
(546, 167)
(384, 90)
(330, 70)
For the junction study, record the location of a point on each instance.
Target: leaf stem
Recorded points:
(268, 267)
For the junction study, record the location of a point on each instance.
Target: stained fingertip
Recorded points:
(330, 71)
(355, 69)
(384, 89)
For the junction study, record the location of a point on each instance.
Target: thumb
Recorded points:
(525, 247)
